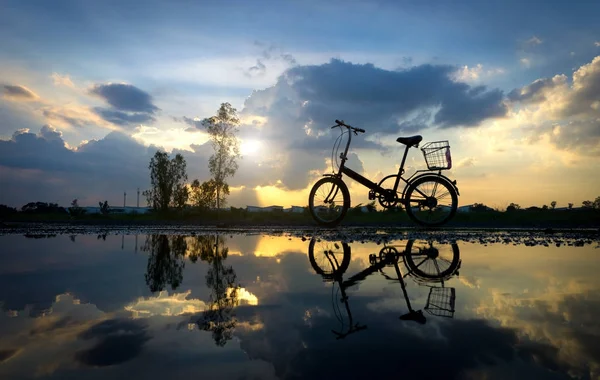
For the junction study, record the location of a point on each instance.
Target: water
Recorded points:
(254, 306)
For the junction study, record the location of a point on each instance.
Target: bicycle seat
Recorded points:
(410, 141)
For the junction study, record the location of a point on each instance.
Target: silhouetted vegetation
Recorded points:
(593, 205)
(7, 210)
(43, 208)
(223, 128)
(222, 280)
(75, 210)
(167, 180)
(104, 208)
(165, 261)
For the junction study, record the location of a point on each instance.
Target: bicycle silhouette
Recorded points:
(424, 262)
(430, 198)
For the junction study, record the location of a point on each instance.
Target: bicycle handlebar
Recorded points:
(341, 123)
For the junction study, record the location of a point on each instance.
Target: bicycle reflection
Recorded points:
(426, 264)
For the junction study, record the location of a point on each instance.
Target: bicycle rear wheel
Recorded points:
(431, 201)
(329, 201)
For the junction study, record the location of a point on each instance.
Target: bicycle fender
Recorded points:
(440, 176)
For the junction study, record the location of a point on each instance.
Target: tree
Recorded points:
(219, 316)
(104, 209)
(7, 210)
(513, 207)
(167, 179)
(166, 261)
(553, 205)
(587, 204)
(570, 206)
(223, 128)
(205, 195)
(75, 210)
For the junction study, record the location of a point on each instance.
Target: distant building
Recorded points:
(118, 210)
(294, 209)
(264, 209)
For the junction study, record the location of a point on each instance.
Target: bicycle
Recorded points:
(329, 198)
(331, 260)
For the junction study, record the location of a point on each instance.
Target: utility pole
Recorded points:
(138, 197)
(124, 198)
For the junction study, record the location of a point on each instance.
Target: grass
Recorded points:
(519, 218)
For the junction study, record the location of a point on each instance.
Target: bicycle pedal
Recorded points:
(371, 195)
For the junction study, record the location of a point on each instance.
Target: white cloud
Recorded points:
(534, 41)
(525, 62)
(166, 305)
(62, 80)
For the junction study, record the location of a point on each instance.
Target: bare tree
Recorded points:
(223, 128)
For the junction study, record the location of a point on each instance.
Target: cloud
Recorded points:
(475, 73)
(125, 97)
(526, 62)
(62, 80)
(536, 91)
(19, 93)
(597, 43)
(466, 162)
(269, 54)
(533, 41)
(567, 113)
(195, 123)
(124, 118)
(367, 94)
(118, 341)
(40, 166)
(129, 104)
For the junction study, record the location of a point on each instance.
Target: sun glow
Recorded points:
(249, 147)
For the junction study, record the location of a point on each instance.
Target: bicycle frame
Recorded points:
(370, 184)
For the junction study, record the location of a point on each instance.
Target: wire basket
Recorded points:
(437, 155)
(440, 302)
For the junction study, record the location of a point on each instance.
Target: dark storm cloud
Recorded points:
(118, 340)
(16, 92)
(130, 105)
(40, 167)
(124, 118)
(125, 97)
(373, 96)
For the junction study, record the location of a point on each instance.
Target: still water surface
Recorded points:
(279, 307)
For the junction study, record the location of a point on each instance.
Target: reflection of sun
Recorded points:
(250, 146)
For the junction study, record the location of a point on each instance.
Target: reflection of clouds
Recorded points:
(470, 281)
(72, 339)
(166, 305)
(244, 296)
(562, 315)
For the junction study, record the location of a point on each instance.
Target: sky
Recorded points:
(90, 90)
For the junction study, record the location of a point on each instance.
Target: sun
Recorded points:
(249, 147)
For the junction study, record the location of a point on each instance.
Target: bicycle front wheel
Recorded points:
(431, 263)
(431, 201)
(329, 258)
(329, 201)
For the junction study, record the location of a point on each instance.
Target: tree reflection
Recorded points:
(165, 261)
(222, 280)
